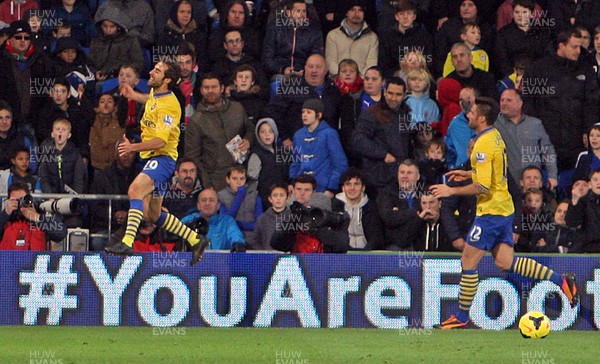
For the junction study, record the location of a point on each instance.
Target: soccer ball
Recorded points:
(534, 325)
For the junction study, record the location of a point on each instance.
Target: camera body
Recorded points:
(25, 201)
(315, 218)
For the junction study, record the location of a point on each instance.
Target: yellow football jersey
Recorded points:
(488, 161)
(162, 114)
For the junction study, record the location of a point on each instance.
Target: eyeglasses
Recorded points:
(21, 37)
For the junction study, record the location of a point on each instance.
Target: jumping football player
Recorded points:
(492, 227)
(160, 136)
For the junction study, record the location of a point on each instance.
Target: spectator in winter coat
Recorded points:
(269, 161)
(584, 212)
(137, 17)
(290, 41)
(353, 39)
(317, 150)
(114, 46)
(275, 217)
(408, 36)
(365, 230)
(105, 132)
(80, 18)
(568, 101)
(61, 166)
(383, 136)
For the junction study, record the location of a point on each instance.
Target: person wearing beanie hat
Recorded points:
(21, 66)
(352, 39)
(317, 149)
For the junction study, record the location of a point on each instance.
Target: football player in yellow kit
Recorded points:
(160, 136)
(492, 227)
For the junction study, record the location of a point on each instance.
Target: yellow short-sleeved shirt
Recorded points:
(162, 115)
(488, 161)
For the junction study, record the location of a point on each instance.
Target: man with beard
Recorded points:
(217, 121)
(183, 194)
(160, 136)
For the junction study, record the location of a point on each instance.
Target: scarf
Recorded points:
(346, 88)
(19, 56)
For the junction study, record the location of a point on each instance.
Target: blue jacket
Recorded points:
(422, 109)
(223, 231)
(457, 140)
(320, 154)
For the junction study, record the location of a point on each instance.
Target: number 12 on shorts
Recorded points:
(475, 233)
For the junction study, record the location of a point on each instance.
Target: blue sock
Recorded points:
(136, 204)
(161, 219)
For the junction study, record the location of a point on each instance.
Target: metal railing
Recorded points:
(86, 197)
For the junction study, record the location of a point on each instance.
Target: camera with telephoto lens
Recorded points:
(63, 206)
(315, 218)
(26, 201)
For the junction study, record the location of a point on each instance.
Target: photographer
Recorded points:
(23, 227)
(311, 226)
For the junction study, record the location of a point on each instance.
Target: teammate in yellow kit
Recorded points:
(160, 136)
(492, 226)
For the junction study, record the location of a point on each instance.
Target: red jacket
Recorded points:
(307, 243)
(14, 231)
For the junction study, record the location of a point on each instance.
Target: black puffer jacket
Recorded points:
(565, 96)
(587, 215)
(393, 45)
(58, 168)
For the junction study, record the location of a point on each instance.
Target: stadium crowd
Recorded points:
(307, 125)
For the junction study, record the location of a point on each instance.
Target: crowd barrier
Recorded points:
(391, 291)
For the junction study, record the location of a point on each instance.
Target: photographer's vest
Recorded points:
(22, 235)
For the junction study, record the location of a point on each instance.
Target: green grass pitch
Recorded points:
(63, 345)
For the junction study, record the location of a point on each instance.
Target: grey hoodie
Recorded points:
(356, 232)
(254, 164)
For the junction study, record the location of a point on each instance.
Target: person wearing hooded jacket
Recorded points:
(366, 231)
(136, 14)
(114, 46)
(269, 162)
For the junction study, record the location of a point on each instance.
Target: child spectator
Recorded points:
(268, 163)
(448, 97)
(68, 59)
(422, 138)
(413, 60)
(61, 166)
(63, 106)
(589, 160)
(61, 30)
(78, 15)
(38, 37)
(470, 34)
(241, 201)
(247, 91)
(274, 218)
(105, 132)
(513, 81)
(584, 212)
(19, 172)
(558, 238)
(129, 112)
(317, 150)
(113, 46)
(422, 108)
(348, 79)
(534, 219)
(433, 167)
